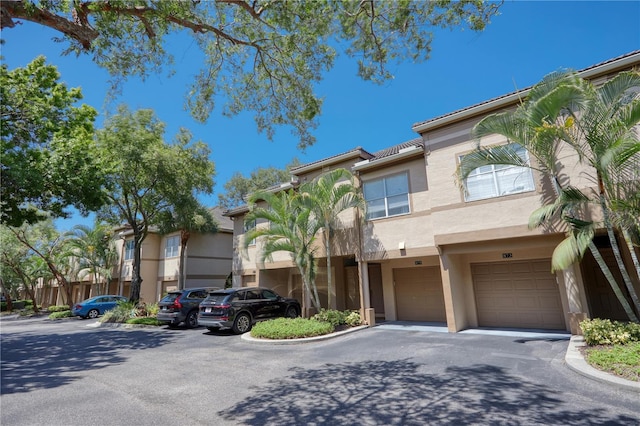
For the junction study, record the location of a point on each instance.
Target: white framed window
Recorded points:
(387, 196)
(172, 246)
(499, 180)
(129, 247)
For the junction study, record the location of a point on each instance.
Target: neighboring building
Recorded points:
(208, 264)
(429, 251)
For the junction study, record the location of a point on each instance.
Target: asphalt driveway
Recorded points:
(65, 373)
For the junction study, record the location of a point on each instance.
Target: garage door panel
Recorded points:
(517, 294)
(419, 294)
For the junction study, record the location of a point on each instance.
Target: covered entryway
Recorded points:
(522, 294)
(419, 295)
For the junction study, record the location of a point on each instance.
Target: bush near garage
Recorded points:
(606, 332)
(337, 318)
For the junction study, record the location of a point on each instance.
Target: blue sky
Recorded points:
(527, 41)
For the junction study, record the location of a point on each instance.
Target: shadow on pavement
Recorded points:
(45, 361)
(396, 392)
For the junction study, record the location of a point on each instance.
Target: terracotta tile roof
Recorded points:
(357, 150)
(396, 149)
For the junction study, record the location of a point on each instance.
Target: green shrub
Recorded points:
(143, 321)
(121, 313)
(60, 314)
(336, 318)
(125, 311)
(606, 332)
(58, 308)
(290, 328)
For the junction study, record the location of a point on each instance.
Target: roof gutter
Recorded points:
(512, 98)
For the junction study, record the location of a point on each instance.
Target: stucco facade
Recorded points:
(435, 256)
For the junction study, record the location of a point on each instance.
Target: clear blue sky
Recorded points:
(527, 41)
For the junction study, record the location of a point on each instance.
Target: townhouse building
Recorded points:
(208, 260)
(428, 250)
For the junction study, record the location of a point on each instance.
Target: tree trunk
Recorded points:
(184, 239)
(7, 296)
(136, 277)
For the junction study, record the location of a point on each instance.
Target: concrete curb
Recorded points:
(247, 337)
(576, 362)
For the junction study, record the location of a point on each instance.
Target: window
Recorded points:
(388, 196)
(129, 246)
(498, 180)
(248, 226)
(172, 246)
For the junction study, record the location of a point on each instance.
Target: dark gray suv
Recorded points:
(240, 308)
(181, 306)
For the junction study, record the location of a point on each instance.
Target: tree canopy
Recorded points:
(239, 188)
(146, 177)
(263, 56)
(47, 146)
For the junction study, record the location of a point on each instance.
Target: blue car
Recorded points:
(95, 306)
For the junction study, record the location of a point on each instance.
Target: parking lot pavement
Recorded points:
(111, 376)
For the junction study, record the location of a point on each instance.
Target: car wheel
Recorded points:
(242, 324)
(292, 312)
(93, 314)
(192, 319)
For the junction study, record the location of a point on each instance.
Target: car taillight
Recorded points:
(177, 304)
(78, 306)
(224, 306)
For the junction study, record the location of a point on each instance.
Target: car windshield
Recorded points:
(170, 297)
(216, 298)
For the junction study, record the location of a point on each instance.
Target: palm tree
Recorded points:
(187, 217)
(329, 195)
(95, 250)
(599, 124)
(291, 228)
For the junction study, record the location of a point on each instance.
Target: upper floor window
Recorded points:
(387, 196)
(129, 246)
(248, 226)
(172, 246)
(498, 180)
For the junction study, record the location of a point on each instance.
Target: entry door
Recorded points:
(375, 289)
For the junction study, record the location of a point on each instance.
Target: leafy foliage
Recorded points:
(58, 308)
(336, 318)
(606, 332)
(60, 314)
(48, 152)
(148, 179)
(238, 188)
(290, 328)
(261, 56)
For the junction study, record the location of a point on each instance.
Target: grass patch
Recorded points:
(58, 308)
(290, 328)
(621, 360)
(60, 314)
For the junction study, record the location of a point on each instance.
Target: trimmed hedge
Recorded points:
(290, 328)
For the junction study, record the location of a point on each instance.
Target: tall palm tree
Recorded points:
(599, 124)
(187, 217)
(95, 249)
(291, 227)
(329, 195)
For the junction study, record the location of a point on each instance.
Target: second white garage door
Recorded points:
(517, 294)
(419, 295)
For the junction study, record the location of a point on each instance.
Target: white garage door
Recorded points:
(517, 294)
(419, 295)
